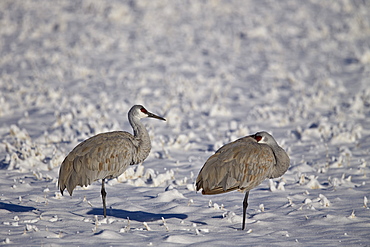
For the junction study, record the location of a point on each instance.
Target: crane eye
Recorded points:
(258, 138)
(143, 110)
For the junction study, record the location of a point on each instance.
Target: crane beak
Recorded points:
(155, 116)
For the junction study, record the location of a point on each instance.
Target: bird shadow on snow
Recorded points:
(15, 208)
(136, 215)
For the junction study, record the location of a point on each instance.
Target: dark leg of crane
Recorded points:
(245, 205)
(104, 195)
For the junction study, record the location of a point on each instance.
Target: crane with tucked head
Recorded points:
(106, 155)
(242, 165)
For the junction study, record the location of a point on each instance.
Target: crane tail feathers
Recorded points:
(218, 190)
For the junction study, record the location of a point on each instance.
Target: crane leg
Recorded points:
(104, 195)
(245, 205)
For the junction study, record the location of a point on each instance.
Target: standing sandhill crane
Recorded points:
(243, 165)
(106, 155)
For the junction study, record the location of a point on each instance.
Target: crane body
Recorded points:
(242, 165)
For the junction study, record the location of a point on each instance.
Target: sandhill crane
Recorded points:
(243, 165)
(106, 155)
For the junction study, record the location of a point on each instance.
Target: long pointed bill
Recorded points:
(155, 116)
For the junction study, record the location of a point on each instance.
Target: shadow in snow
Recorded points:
(3, 164)
(15, 208)
(136, 215)
(217, 217)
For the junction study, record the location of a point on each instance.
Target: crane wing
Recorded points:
(105, 155)
(242, 164)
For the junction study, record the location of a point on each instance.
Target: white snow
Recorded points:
(217, 71)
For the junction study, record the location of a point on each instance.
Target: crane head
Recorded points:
(140, 112)
(264, 137)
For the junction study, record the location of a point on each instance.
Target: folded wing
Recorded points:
(102, 156)
(242, 164)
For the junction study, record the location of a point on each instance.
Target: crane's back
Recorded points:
(105, 155)
(242, 164)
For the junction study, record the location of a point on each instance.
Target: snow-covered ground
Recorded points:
(217, 71)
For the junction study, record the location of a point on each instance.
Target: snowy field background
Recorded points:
(217, 71)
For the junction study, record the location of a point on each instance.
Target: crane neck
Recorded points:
(282, 161)
(142, 136)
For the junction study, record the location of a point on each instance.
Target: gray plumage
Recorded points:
(242, 165)
(106, 155)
